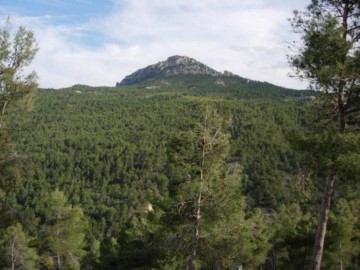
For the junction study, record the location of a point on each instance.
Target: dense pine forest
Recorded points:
(121, 163)
(183, 167)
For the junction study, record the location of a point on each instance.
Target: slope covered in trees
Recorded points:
(184, 167)
(124, 155)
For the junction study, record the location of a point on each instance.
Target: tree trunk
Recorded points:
(192, 262)
(4, 107)
(341, 107)
(14, 253)
(13, 256)
(59, 262)
(323, 218)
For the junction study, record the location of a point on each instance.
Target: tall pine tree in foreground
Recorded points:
(329, 57)
(207, 220)
(16, 89)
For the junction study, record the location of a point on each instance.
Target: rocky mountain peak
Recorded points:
(174, 65)
(177, 60)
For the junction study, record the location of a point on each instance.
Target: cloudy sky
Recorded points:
(99, 42)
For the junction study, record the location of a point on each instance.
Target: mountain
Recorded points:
(186, 75)
(174, 65)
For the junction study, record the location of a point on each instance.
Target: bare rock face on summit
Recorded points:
(174, 65)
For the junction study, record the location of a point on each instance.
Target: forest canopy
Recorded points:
(177, 172)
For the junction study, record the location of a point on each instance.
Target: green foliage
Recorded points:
(324, 46)
(113, 151)
(16, 53)
(293, 237)
(326, 57)
(207, 223)
(164, 182)
(15, 250)
(343, 239)
(16, 89)
(63, 233)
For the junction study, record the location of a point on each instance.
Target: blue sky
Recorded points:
(67, 12)
(99, 42)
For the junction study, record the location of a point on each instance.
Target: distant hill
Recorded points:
(174, 65)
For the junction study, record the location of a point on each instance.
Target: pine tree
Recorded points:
(63, 233)
(15, 251)
(329, 57)
(16, 89)
(207, 216)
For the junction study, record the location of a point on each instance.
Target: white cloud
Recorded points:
(245, 37)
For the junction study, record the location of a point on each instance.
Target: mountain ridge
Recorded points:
(173, 65)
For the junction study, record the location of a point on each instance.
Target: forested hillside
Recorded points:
(180, 166)
(125, 165)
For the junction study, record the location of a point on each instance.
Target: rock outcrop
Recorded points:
(174, 65)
